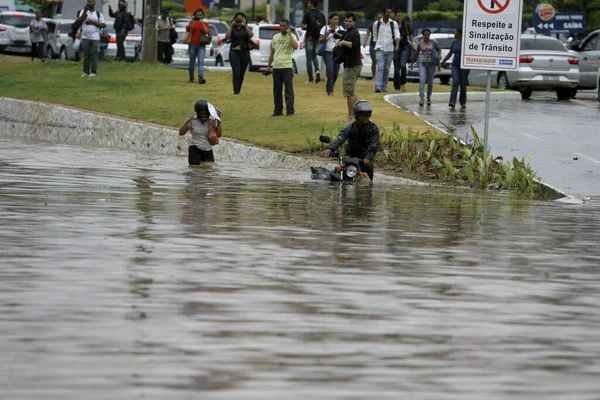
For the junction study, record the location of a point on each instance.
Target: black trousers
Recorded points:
(283, 77)
(197, 156)
(239, 61)
(121, 36)
(37, 49)
(165, 52)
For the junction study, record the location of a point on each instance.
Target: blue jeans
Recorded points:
(459, 78)
(426, 74)
(400, 60)
(196, 52)
(311, 46)
(331, 69)
(281, 77)
(384, 61)
(239, 61)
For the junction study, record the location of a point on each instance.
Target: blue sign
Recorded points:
(561, 22)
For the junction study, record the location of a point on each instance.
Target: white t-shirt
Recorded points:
(91, 32)
(330, 39)
(384, 40)
(41, 25)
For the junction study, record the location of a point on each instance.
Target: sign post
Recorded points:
(491, 41)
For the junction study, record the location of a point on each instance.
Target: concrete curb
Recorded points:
(413, 98)
(61, 124)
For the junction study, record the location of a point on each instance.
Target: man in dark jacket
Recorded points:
(362, 136)
(312, 22)
(124, 22)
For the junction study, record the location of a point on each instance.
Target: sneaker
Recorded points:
(463, 106)
(276, 115)
(201, 81)
(403, 88)
(384, 90)
(92, 75)
(191, 80)
(318, 77)
(421, 101)
(377, 90)
(309, 81)
(289, 114)
(451, 105)
(84, 75)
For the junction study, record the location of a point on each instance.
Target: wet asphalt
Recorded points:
(561, 137)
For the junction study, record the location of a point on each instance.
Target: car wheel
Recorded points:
(563, 94)
(63, 54)
(445, 80)
(219, 62)
(573, 93)
(526, 94)
(502, 81)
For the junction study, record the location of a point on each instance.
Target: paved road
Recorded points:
(562, 138)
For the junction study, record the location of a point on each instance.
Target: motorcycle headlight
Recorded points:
(351, 171)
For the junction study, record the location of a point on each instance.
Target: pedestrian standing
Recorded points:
(329, 34)
(164, 26)
(428, 53)
(352, 62)
(123, 24)
(387, 39)
(312, 22)
(460, 76)
(401, 56)
(239, 50)
(197, 49)
(282, 49)
(37, 34)
(92, 21)
(369, 41)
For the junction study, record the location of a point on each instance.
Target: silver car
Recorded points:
(14, 32)
(181, 57)
(544, 64)
(588, 53)
(65, 49)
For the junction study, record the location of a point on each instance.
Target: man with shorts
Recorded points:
(352, 62)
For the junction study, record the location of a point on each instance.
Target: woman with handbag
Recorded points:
(328, 35)
(428, 52)
(239, 51)
(205, 126)
(197, 38)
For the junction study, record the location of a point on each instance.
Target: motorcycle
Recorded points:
(348, 170)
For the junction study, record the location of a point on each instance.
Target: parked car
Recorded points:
(263, 35)
(133, 42)
(445, 41)
(588, 53)
(181, 56)
(366, 71)
(544, 64)
(52, 43)
(14, 32)
(66, 51)
(598, 84)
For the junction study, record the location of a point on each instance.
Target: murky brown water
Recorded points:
(126, 276)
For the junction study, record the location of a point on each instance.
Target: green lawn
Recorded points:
(162, 95)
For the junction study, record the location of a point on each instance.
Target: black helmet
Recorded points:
(201, 109)
(362, 108)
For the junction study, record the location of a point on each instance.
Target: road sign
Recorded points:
(560, 22)
(491, 34)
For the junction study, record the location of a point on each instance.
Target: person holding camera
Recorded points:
(205, 117)
(124, 22)
(196, 49)
(91, 23)
(239, 51)
(282, 50)
(329, 34)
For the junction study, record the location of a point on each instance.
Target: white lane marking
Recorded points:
(587, 158)
(533, 137)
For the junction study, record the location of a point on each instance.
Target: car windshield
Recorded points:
(18, 20)
(542, 44)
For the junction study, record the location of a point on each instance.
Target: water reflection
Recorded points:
(139, 276)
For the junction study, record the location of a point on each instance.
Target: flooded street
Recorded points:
(133, 276)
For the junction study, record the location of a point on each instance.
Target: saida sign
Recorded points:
(491, 34)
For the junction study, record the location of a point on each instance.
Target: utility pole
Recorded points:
(149, 32)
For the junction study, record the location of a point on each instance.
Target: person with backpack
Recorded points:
(91, 21)
(401, 56)
(312, 22)
(428, 52)
(387, 41)
(124, 23)
(369, 42)
(164, 25)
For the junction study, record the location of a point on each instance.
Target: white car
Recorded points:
(181, 57)
(445, 41)
(263, 35)
(14, 32)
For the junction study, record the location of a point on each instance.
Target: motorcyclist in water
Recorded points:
(362, 136)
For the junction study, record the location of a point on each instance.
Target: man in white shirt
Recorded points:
(91, 22)
(387, 40)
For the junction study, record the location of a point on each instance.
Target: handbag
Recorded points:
(187, 37)
(252, 45)
(321, 49)
(205, 39)
(213, 138)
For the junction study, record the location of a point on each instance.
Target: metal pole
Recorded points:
(326, 10)
(253, 7)
(287, 11)
(149, 33)
(272, 11)
(487, 120)
(410, 10)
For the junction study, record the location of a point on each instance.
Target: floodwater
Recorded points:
(133, 276)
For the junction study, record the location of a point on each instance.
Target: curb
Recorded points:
(413, 98)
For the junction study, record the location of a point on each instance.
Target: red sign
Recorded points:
(495, 6)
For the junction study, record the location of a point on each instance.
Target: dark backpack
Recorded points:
(77, 24)
(124, 21)
(339, 53)
(391, 26)
(172, 34)
(317, 21)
